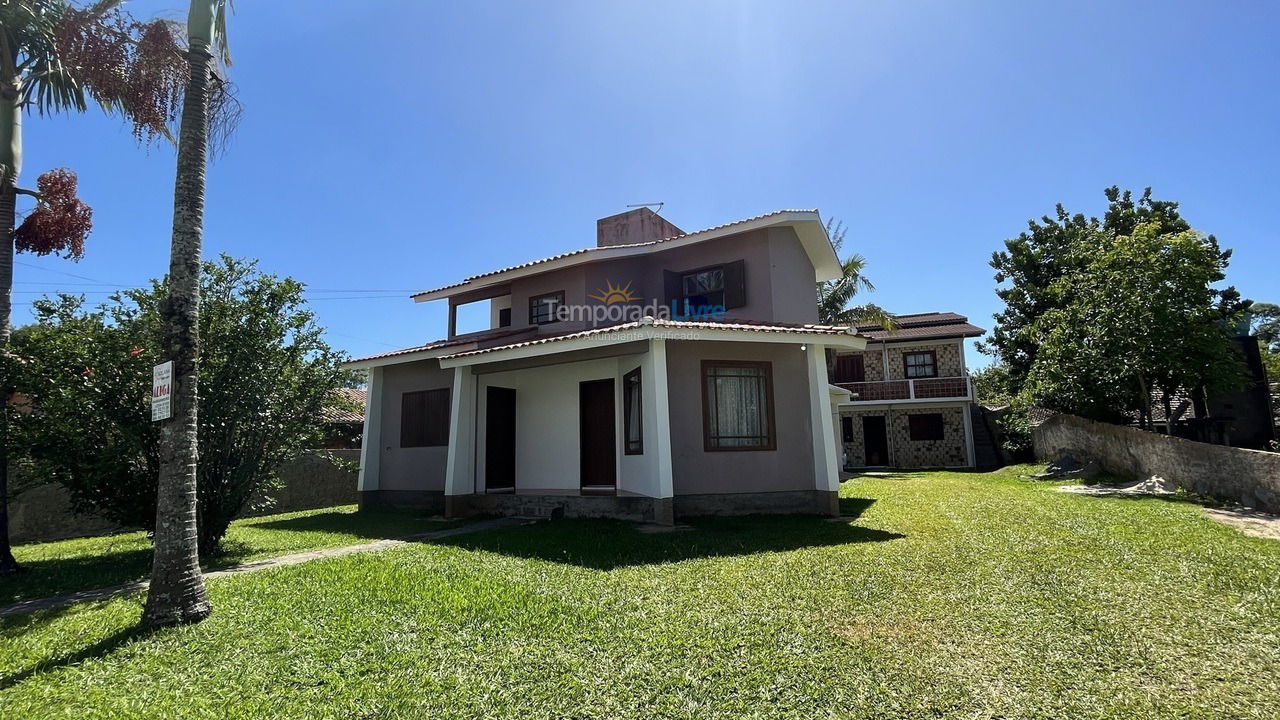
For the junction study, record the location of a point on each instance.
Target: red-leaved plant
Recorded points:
(61, 221)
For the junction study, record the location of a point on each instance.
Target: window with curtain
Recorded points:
(632, 424)
(737, 405)
(424, 418)
(920, 364)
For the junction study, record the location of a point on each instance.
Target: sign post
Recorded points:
(162, 391)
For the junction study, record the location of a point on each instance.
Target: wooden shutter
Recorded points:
(671, 289)
(413, 419)
(437, 413)
(735, 285)
(850, 368)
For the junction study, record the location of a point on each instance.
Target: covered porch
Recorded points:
(582, 425)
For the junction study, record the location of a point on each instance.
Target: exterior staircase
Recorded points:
(986, 454)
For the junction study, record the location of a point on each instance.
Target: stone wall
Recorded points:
(1250, 477)
(947, 452)
(950, 359)
(951, 451)
(43, 512)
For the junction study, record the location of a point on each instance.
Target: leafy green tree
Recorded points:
(267, 374)
(1141, 313)
(58, 57)
(1031, 269)
(991, 384)
(1265, 318)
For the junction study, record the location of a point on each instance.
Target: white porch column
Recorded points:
(371, 440)
(460, 474)
(825, 471)
(661, 413)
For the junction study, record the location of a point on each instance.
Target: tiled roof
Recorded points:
(583, 251)
(348, 407)
(440, 344)
(923, 326)
(781, 328)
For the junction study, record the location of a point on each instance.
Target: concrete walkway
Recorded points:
(104, 593)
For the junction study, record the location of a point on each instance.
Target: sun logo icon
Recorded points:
(611, 295)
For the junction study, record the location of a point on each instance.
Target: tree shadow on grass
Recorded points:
(610, 544)
(367, 524)
(56, 576)
(98, 649)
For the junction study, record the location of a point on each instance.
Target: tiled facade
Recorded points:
(949, 354)
(904, 452)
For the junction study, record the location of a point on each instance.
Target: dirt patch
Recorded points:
(1249, 522)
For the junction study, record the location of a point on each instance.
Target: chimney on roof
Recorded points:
(634, 226)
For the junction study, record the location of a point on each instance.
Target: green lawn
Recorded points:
(951, 595)
(66, 566)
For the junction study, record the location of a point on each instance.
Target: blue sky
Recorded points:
(389, 147)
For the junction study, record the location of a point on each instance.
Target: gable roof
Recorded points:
(922, 326)
(807, 224)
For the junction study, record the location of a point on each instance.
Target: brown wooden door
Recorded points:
(500, 439)
(875, 440)
(598, 439)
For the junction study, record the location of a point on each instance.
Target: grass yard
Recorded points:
(951, 595)
(55, 568)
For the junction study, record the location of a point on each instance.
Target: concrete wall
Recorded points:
(1250, 477)
(696, 471)
(43, 512)
(419, 468)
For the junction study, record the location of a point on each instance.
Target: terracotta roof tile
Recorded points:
(440, 344)
(572, 253)
(782, 328)
(348, 407)
(918, 326)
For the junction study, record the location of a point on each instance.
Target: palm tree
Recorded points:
(177, 593)
(57, 57)
(835, 296)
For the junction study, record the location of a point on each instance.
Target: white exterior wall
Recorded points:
(548, 430)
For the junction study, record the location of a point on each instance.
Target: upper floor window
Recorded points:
(737, 405)
(545, 309)
(707, 291)
(702, 291)
(923, 364)
(424, 418)
(504, 317)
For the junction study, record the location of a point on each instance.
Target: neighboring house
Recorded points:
(344, 419)
(1239, 418)
(912, 403)
(658, 374)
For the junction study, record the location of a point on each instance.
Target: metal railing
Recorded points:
(941, 388)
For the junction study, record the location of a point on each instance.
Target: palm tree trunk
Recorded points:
(177, 593)
(10, 166)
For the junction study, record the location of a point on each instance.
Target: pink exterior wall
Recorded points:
(779, 279)
(696, 471)
(419, 468)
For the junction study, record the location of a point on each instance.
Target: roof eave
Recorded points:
(807, 224)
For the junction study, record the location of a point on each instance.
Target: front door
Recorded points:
(597, 437)
(875, 440)
(500, 439)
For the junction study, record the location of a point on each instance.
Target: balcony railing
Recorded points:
(942, 388)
